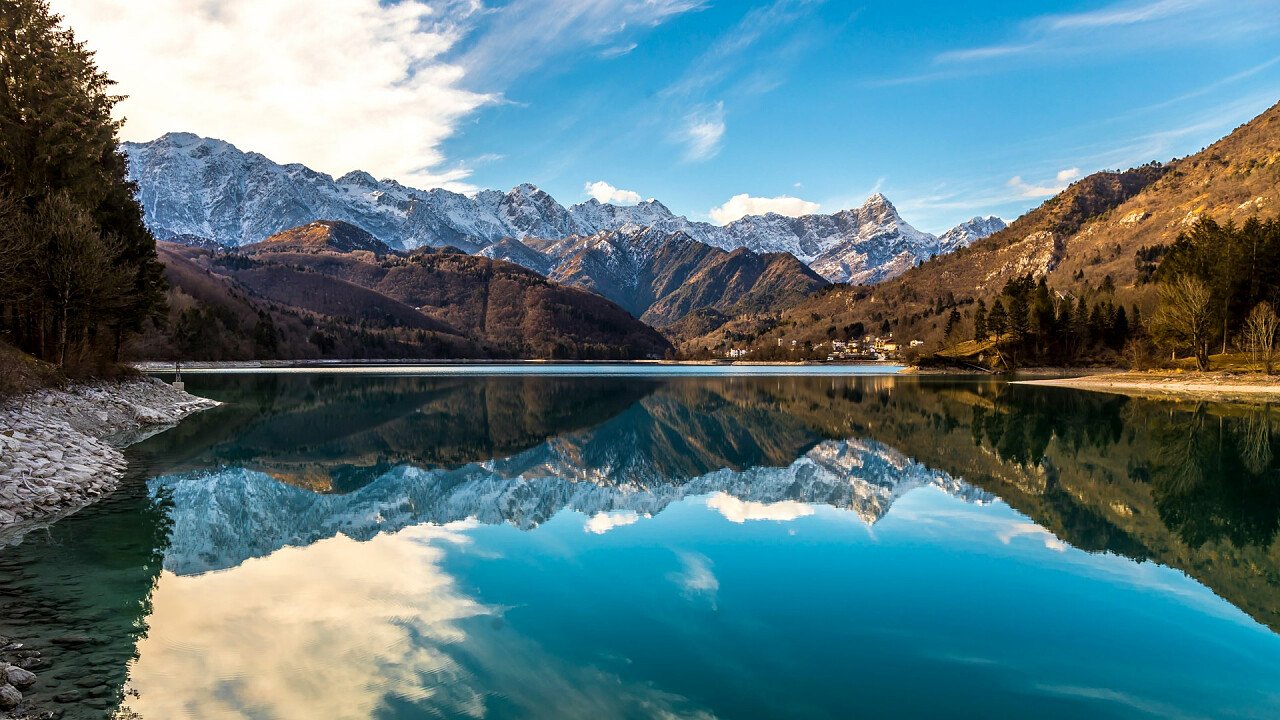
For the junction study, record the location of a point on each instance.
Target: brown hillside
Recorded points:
(1091, 230)
(322, 236)
(502, 305)
(223, 314)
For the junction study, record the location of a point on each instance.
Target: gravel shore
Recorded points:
(1176, 385)
(60, 449)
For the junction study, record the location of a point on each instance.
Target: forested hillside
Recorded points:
(1083, 270)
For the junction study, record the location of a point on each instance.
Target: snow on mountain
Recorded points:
(225, 516)
(969, 232)
(192, 187)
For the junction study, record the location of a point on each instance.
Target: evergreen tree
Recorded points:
(980, 331)
(59, 158)
(998, 320)
(953, 322)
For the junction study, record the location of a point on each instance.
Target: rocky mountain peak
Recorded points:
(202, 188)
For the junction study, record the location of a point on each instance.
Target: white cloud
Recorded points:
(739, 511)
(603, 522)
(740, 206)
(606, 193)
(1038, 190)
(702, 132)
(339, 85)
(335, 84)
(274, 636)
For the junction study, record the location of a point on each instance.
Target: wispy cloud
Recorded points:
(1123, 26)
(696, 576)
(618, 50)
(738, 47)
(984, 53)
(702, 132)
(1121, 14)
(523, 36)
(749, 59)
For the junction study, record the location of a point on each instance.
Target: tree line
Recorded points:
(1031, 323)
(1218, 286)
(78, 268)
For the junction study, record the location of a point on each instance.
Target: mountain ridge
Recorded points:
(194, 187)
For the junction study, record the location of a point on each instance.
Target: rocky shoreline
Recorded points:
(60, 450)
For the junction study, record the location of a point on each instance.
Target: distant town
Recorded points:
(869, 348)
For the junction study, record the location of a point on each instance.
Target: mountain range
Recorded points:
(198, 190)
(1087, 241)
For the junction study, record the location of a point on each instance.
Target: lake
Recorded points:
(588, 545)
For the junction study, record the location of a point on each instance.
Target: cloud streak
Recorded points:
(1120, 27)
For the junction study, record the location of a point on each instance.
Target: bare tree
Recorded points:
(1185, 317)
(1261, 330)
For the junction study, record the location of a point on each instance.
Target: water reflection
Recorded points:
(325, 547)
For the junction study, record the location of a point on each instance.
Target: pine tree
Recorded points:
(998, 320)
(980, 331)
(59, 154)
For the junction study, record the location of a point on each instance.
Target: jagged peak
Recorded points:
(526, 190)
(357, 177)
(878, 200)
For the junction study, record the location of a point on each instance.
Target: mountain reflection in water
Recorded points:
(318, 492)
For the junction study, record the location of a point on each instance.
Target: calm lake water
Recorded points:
(516, 546)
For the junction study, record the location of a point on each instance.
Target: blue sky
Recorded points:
(950, 109)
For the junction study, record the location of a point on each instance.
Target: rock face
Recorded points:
(969, 232)
(59, 448)
(660, 277)
(198, 190)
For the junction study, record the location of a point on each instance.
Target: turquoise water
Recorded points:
(512, 546)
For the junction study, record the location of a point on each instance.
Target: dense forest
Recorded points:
(1218, 286)
(78, 269)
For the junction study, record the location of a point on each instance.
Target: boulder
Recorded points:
(19, 678)
(9, 697)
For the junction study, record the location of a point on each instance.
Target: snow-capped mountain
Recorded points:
(193, 187)
(969, 232)
(201, 187)
(225, 516)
